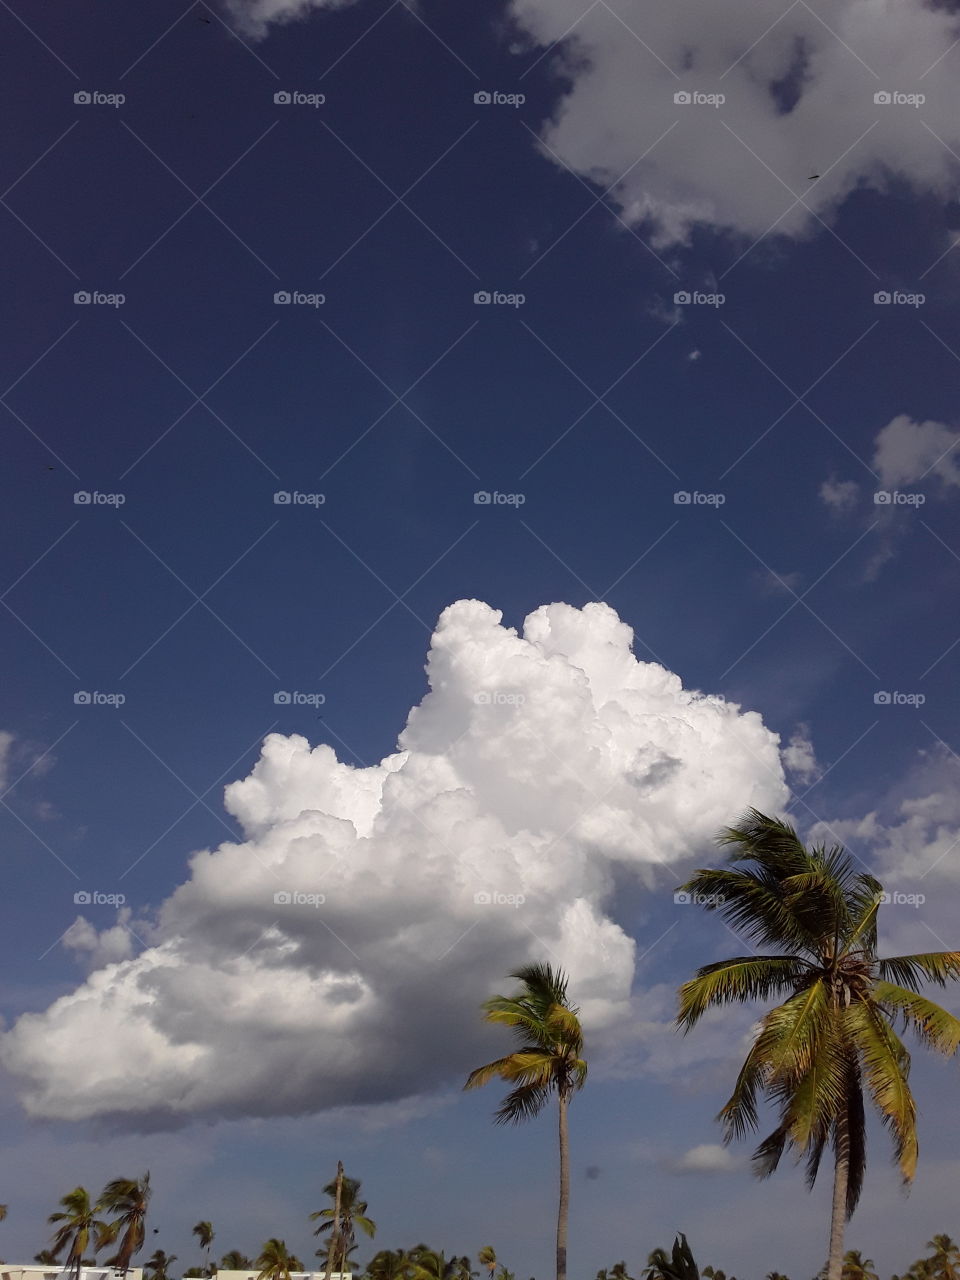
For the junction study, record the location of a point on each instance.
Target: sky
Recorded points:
(457, 458)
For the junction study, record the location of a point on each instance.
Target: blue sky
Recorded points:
(785, 398)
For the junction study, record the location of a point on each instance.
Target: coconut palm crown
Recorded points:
(815, 917)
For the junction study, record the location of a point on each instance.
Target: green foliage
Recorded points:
(679, 1265)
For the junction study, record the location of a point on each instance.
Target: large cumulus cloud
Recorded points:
(538, 771)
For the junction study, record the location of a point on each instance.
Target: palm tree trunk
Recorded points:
(564, 1189)
(838, 1219)
(335, 1240)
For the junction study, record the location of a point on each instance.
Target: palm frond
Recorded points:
(934, 1026)
(930, 966)
(738, 980)
(886, 1066)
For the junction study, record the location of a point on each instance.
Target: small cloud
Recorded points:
(780, 583)
(906, 452)
(709, 1157)
(799, 758)
(665, 312)
(592, 1172)
(694, 355)
(96, 948)
(840, 495)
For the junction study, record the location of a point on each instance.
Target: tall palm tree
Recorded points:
(159, 1264)
(128, 1198)
(487, 1257)
(78, 1227)
(353, 1214)
(275, 1261)
(549, 1061)
(857, 1267)
(835, 1033)
(205, 1234)
(393, 1264)
(235, 1261)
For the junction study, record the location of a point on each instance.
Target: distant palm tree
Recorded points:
(548, 1061)
(857, 1267)
(678, 1265)
(79, 1227)
(834, 1034)
(393, 1264)
(159, 1264)
(235, 1261)
(275, 1261)
(775, 1275)
(487, 1257)
(619, 1272)
(46, 1258)
(353, 1214)
(128, 1198)
(204, 1233)
(944, 1262)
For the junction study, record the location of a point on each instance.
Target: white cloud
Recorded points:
(254, 17)
(799, 117)
(538, 767)
(799, 757)
(906, 452)
(94, 947)
(840, 495)
(708, 1157)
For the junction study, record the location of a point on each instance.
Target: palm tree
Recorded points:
(46, 1258)
(835, 1032)
(353, 1214)
(944, 1262)
(159, 1264)
(78, 1227)
(678, 1265)
(235, 1261)
(128, 1198)
(548, 1061)
(775, 1275)
(275, 1261)
(393, 1264)
(619, 1272)
(487, 1257)
(204, 1233)
(857, 1267)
